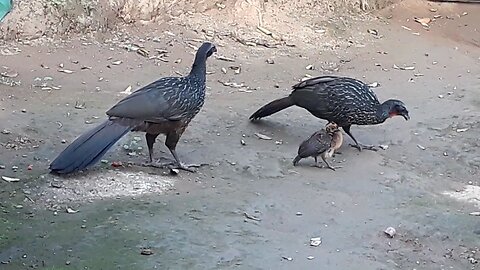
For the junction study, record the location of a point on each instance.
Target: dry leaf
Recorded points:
(71, 211)
(262, 136)
(127, 91)
(67, 71)
(423, 21)
(10, 179)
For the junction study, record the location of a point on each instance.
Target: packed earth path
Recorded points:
(249, 208)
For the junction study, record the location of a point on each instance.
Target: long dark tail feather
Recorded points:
(89, 148)
(272, 107)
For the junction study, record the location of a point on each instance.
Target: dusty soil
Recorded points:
(249, 208)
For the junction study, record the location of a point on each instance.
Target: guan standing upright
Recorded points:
(342, 100)
(165, 106)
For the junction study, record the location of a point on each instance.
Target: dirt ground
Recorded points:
(249, 208)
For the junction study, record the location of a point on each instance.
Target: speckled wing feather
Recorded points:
(160, 101)
(318, 143)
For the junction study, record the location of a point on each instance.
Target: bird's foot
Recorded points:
(186, 167)
(334, 168)
(329, 166)
(172, 165)
(360, 147)
(159, 163)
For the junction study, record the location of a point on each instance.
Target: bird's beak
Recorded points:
(406, 116)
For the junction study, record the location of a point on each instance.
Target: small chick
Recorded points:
(322, 143)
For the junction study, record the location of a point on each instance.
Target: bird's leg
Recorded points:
(328, 165)
(150, 141)
(171, 143)
(357, 145)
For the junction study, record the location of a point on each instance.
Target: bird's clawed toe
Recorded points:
(361, 147)
(186, 167)
(334, 168)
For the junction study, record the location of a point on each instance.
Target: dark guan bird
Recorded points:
(165, 106)
(322, 143)
(342, 100)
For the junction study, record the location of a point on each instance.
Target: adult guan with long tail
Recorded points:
(342, 100)
(165, 106)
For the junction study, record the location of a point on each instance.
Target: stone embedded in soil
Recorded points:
(315, 241)
(390, 232)
(146, 251)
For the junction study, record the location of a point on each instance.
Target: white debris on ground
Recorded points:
(469, 194)
(109, 184)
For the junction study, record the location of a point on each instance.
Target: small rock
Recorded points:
(383, 146)
(477, 214)
(315, 241)
(421, 147)
(374, 85)
(390, 232)
(146, 251)
(71, 211)
(310, 258)
(55, 184)
(299, 213)
(287, 258)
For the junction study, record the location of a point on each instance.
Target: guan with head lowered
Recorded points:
(342, 100)
(165, 106)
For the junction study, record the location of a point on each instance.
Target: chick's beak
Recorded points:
(406, 116)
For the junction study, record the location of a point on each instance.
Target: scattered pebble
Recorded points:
(315, 241)
(146, 251)
(421, 147)
(71, 211)
(390, 232)
(310, 257)
(477, 214)
(374, 85)
(287, 258)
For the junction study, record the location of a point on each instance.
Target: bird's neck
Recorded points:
(383, 112)
(199, 67)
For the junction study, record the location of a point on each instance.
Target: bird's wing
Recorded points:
(315, 81)
(156, 102)
(316, 144)
(328, 97)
